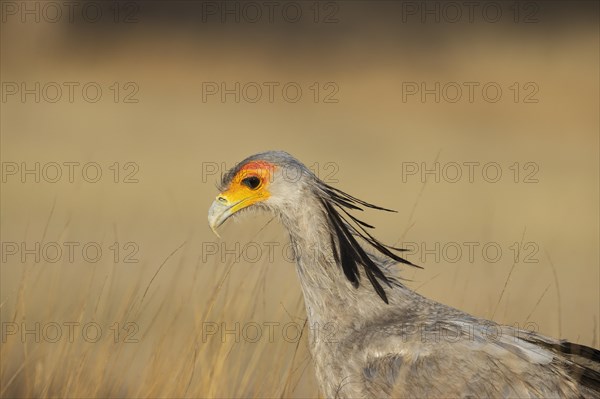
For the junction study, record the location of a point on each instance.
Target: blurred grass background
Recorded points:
(368, 50)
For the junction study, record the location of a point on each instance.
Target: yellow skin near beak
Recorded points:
(237, 197)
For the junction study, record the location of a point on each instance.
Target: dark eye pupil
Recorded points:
(253, 182)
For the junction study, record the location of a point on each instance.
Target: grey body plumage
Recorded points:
(370, 336)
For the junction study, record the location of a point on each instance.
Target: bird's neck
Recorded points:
(330, 299)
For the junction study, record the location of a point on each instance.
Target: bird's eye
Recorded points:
(252, 182)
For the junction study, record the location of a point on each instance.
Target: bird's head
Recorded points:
(271, 180)
(278, 182)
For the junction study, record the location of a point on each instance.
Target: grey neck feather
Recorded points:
(329, 297)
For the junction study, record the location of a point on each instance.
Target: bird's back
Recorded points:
(437, 351)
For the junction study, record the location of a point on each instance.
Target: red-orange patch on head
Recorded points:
(258, 165)
(261, 169)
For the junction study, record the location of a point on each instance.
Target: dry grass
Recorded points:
(163, 352)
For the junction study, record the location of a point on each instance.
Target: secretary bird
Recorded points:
(390, 341)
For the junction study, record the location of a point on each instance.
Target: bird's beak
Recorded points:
(228, 203)
(219, 212)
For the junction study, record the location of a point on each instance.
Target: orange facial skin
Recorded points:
(240, 193)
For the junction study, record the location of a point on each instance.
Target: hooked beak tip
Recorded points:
(214, 230)
(217, 214)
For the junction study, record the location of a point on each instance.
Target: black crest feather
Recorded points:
(348, 251)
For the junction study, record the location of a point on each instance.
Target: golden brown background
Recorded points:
(162, 57)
